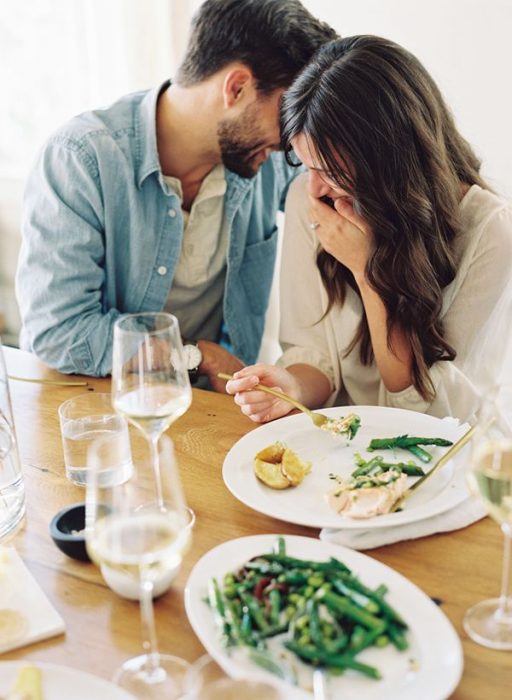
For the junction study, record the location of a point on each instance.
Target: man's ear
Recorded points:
(238, 83)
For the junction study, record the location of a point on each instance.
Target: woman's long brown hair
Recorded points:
(368, 102)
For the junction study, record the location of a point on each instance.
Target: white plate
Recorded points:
(63, 683)
(433, 642)
(306, 505)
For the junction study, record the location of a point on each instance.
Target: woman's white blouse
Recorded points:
(477, 313)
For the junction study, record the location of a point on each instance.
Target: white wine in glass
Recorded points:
(131, 533)
(490, 622)
(150, 383)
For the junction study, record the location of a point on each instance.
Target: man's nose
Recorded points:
(317, 187)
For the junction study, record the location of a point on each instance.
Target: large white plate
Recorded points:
(306, 504)
(63, 683)
(434, 645)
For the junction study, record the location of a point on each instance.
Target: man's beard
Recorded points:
(239, 142)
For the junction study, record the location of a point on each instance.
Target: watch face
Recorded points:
(193, 356)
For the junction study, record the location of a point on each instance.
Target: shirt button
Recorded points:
(172, 213)
(162, 270)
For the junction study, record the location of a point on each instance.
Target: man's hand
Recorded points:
(217, 359)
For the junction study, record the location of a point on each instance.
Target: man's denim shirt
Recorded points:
(102, 236)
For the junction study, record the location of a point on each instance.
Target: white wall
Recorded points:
(465, 44)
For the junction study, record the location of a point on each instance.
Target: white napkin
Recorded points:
(466, 513)
(26, 614)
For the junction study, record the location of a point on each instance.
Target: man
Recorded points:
(167, 199)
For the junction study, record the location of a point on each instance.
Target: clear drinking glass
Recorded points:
(490, 622)
(86, 418)
(132, 532)
(205, 680)
(12, 489)
(150, 384)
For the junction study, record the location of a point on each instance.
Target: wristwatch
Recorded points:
(193, 358)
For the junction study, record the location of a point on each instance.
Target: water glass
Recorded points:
(12, 490)
(85, 418)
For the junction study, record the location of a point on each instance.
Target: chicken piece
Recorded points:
(364, 497)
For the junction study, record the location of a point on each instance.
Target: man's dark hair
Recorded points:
(274, 38)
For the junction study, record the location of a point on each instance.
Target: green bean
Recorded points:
(274, 597)
(387, 611)
(217, 605)
(366, 639)
(310, 653)
(255, 611)
(358, 635)
(280, 546)
(293, 563)
(359, 598)
(265, 568)
(343, 606)
(381, 590)
(397, 637)
(295, 578)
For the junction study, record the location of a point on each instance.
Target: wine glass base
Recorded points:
(483, 624)
(163, 683)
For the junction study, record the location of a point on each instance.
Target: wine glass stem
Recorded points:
(505, 609)
(149, 640)
(155, 460)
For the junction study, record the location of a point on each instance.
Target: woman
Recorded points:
(400, 294)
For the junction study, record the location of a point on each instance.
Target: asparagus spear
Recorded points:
(407, 442)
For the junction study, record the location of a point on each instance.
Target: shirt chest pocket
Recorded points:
(257, 271)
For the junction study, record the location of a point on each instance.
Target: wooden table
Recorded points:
(102, 629)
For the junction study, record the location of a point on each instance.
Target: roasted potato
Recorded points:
(294, 468)
(273, 453)
(271, 474)
(279, 467)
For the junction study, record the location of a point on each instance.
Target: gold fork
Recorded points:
(456, 447)
(318, 419)
(49, 382)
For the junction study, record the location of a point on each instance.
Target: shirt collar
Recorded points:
(145, 130)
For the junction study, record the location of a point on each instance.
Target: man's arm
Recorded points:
(61, 266)
(217, 359)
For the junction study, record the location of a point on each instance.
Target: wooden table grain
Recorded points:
(102, 630)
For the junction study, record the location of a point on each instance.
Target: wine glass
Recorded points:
(490, 622)
(131, 533)
(205, 680)
(150, 383)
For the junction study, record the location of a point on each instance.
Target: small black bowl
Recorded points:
(67, 531)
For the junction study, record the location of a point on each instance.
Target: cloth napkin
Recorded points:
(26, 614)
(466, 513)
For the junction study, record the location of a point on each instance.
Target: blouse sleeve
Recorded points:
(477, 324)
(302, 332)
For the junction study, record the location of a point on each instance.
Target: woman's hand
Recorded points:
(343, 233)
(257, 405)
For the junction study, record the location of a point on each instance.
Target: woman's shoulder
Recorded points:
(486, 222)
(481, 208)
